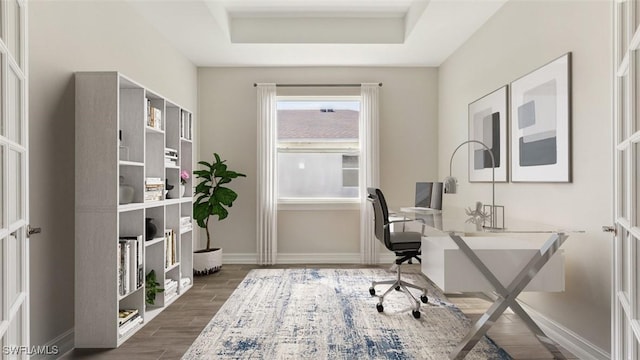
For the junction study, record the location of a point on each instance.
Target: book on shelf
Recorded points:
(125, 315)
(130, 325)
(154, 116)
(170, 288)
(130, 267)
(172, 153)
(185, 125)
(153, 188)
(170, 247)
(186, 224)
(150, 181)
(153, 195)
(170, 157)
(170, 284)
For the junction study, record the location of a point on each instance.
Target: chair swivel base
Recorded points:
(400, 285)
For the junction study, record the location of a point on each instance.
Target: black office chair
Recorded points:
(405, 244)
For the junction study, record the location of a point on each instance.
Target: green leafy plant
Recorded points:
(151, 287)
(211, 196)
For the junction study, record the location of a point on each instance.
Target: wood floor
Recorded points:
(170, 334)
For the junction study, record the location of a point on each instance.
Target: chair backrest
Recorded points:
(380, 215)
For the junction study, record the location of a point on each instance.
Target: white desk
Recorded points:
(461, 257)
(449, 268)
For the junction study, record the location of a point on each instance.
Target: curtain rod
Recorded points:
(318, 85)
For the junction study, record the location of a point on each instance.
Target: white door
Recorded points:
(14, 244)
(626, 252)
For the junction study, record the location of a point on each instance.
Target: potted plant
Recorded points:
(152, 287)
(212, 196)
(184, 176)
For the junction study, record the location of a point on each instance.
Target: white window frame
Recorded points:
(328, 203)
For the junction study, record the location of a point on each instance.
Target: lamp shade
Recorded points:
(450, 185)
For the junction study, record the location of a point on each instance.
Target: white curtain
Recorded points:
(369, 169)
(267, 232)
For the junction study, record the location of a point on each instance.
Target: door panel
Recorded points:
(13, 38)
(14, 100)
(626, 123)
(2, 189)
(15, 179)
(14, 260)
(14, 243)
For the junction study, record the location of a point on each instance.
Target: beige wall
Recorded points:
(522, 36)
(408, 145)
(64, 37)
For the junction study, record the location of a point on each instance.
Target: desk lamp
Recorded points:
(450, 182)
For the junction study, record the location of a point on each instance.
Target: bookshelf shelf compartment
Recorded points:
(172, 267)
(112, 256)
(132, 292)
(151, 130)
(130, 163)
(131, 207)
(153, 241)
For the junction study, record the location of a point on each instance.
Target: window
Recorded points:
(350, 170)
(318, 148)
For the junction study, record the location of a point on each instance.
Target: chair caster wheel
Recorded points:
(397, 288)
(380, 308)
(372, 291)
(416, 314)
(424, 299)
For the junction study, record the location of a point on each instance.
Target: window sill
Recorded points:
(318, 204)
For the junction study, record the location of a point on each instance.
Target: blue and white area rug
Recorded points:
(329, 314)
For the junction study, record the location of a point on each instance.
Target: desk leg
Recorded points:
(507, 296)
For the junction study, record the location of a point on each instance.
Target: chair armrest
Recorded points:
(406, 220)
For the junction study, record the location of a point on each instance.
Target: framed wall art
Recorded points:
(541, 124)
(488, 124)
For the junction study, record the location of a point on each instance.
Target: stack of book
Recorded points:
(154, 116)
(170, 289)
(185, 224)
(130, 271)
(127, 320)
(153, 189)
(185, 125)
(170, 247)
(170, 157)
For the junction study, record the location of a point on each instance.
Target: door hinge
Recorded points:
(33, 230)
(611, 229)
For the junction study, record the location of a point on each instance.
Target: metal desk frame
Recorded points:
(506, 295)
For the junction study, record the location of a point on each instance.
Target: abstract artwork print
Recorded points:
(488, 124)
(540, 124)
(538, 143)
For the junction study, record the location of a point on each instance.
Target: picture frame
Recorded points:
(488, 122)
(541, 123)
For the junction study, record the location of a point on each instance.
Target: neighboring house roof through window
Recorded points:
(317, 125)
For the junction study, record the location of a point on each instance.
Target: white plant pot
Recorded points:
(205, 263)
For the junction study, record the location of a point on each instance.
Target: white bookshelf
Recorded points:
(114, 140)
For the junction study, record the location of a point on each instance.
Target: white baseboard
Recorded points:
(305, 258)
(63, 343)
(566, 338)
(239, 258)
